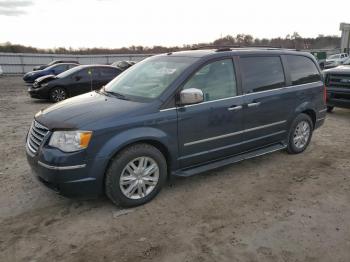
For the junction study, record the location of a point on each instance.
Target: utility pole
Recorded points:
(345, 37)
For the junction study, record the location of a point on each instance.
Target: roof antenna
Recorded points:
(90, 74)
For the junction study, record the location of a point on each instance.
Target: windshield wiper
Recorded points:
(118, 95)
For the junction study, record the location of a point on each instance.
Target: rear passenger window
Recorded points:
(261, 73)
(108, 72)
(216, 80)
(302, 70)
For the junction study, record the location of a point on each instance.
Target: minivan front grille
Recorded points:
(36, 135)
(338, 80)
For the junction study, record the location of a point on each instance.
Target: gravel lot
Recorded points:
(277, 207)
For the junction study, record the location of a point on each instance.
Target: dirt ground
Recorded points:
(276, 207)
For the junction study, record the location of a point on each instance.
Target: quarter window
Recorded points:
(261, 73)
(302, 70)
(216, 80)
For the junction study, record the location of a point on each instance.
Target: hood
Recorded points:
(45, 79)
(343, 69)
(34, 73)
(332, 60)
(79, 111)
(40, 67)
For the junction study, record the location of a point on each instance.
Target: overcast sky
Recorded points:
(117, 23)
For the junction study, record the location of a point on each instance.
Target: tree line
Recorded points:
(294, 41)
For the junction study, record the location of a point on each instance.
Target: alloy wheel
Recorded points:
(301, 134)
(139, 177)
(58, 94)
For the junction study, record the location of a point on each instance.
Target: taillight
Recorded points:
(324, 94)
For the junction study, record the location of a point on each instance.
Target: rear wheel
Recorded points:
(300, 134)
(330, 109)
(58, 94)
(136, 175)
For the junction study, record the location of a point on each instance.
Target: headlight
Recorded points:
(43, 85)
(70, 141)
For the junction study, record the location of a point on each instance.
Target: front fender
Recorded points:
(138, 134)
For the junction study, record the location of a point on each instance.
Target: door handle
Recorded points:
(254, 104)
(234, 108)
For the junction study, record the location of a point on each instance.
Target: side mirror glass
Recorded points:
(191, 96)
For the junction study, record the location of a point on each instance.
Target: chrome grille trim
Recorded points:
(36, 135)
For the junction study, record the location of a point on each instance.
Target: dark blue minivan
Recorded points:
(177, 114)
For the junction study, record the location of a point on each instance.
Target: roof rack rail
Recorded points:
(215, 47)
(221, 48)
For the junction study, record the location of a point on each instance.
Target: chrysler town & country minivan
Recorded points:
(179, 114)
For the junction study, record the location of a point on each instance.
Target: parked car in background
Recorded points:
(76, 81)
(181, 114)
(123, 65)
(51, 70)
(337, 81)
(1, 71)
(54, 62)
(335, 60)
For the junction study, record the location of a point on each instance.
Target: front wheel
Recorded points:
(300, 134)
(136, 175)
(58, 94)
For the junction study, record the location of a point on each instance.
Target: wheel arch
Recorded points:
(151, 136)
(312, 114)
(306, 108)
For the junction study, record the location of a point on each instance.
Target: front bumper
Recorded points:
(338, 97)
(67, 174)
(38, 93)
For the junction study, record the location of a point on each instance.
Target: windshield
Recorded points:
(52, 62)
(149, 78)
(69, 72)
(333, 56)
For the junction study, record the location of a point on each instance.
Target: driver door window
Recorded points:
(216, 80)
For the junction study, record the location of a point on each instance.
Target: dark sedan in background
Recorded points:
(76, 81)
(54, 62)
(51, 70)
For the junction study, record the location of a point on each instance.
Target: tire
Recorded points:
(300, 134)
(137, 188)
(330, 109)
(58, 94)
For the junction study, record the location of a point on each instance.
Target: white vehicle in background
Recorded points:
(1, 72)
(335, 60)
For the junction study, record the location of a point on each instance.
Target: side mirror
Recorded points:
(77, 78)
(191, 96)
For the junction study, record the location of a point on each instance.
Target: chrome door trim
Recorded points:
(61, 167)
(254, 104)
(235, 108)
(234, 133)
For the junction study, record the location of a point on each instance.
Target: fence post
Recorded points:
(22, 63)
